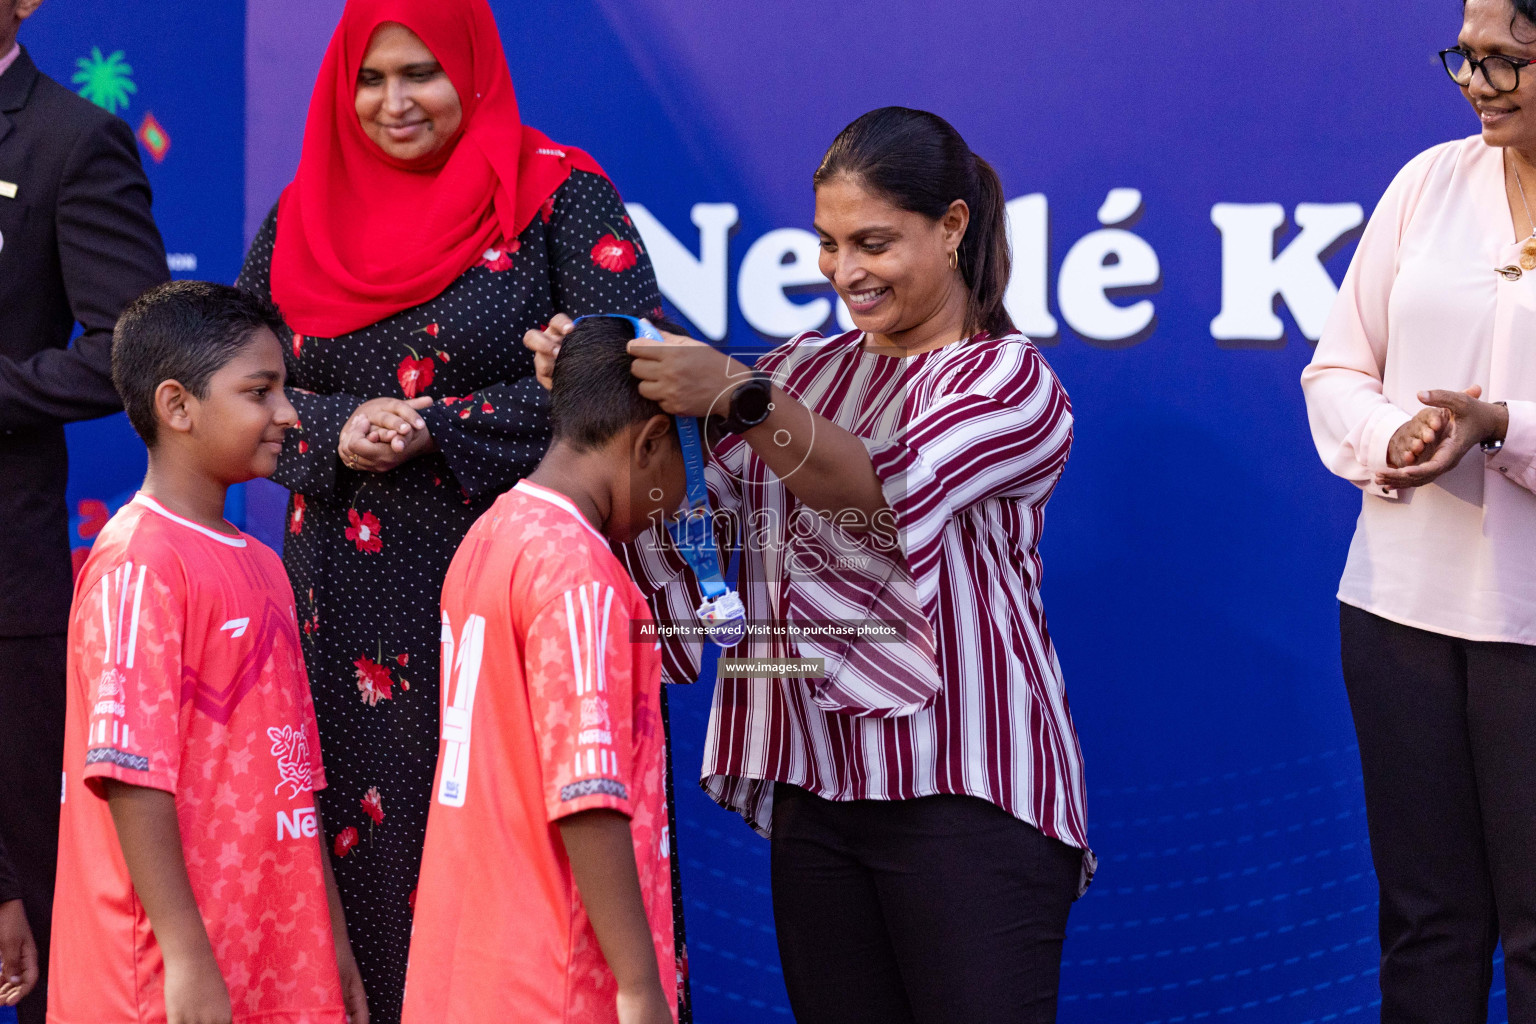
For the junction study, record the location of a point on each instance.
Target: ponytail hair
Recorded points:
(916, 161)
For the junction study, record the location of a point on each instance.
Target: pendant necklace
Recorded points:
(1528, 247)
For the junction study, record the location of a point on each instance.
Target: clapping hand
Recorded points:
(1466, 422)
(383, 433)
(1417, 439)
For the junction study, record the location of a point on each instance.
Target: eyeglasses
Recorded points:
(1501, 73)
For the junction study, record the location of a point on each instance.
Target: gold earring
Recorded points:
(954, 259)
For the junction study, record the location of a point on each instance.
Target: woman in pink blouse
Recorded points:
(1423, 393)
(924, 799)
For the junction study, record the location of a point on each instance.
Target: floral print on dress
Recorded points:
(373, 680)
(296, 521)
(499, 258)
(613, 254)
(373, 805)
(415, 373)
(364, 531)
(346, 839)
(298, 344)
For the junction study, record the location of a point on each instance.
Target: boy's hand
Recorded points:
(195, 992)
(545, 345)
(352, 995)
(645, 1007)
(18, 954)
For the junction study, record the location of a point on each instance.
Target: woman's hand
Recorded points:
(1418, 437)
(384, 433)
(545, 345)
(1471, 423)
(686, 377)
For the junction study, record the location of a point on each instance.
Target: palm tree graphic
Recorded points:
(105, 81)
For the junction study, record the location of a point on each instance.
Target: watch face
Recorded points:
(750, 403)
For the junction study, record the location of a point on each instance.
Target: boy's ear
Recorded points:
(651, 441)
(174, 406)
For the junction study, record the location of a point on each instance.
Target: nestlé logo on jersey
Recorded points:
(596, 726)
(301, 823)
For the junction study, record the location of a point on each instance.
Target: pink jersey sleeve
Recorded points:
(127, 654)
(579, 667)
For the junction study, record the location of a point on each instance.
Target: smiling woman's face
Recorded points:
(891, 266)
(405, 102)
(1508, 118)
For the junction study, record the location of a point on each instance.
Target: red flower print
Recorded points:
(627, 222)
(303, 446)
(373, 680)
(403, 659)
(431, 329)
(374, 805)
(364, 531)
(442, 355)
(296, 521)
(415, 374)
(411, 899)
(345, 840)
(613, 254)
(548, 209)
(500, 258)
(464, 413)
(93, 516)
(486, 407)
(298, 343)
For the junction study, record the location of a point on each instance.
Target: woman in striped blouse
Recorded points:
(924, 799)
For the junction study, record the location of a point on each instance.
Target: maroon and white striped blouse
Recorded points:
(968, 441)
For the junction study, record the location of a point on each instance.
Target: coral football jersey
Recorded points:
(548, 709)
(185, 675)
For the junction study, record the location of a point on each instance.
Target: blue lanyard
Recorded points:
(694, 533)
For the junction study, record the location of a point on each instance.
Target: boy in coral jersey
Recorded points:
(545, 891)
(192, 885)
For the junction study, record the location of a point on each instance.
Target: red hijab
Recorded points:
(362, 235)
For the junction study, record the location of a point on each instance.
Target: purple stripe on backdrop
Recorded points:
(284, 42)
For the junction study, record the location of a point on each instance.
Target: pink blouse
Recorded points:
(1423, 308)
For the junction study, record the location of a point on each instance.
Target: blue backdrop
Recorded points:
(1193, 548)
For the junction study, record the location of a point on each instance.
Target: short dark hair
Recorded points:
(916, 161)
(184, 331)
(594, 396)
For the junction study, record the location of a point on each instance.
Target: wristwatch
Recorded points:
(751, 403)
(1493, 446)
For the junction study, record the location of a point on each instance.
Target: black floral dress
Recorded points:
(367, 552)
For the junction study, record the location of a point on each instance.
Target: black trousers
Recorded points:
(31, 758)
(1447, 732)
(929, 911)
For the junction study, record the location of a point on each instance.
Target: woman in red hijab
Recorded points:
(425, 232)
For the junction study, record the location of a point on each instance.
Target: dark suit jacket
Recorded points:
(77, 244)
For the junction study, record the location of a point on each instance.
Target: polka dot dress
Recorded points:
(367, 552)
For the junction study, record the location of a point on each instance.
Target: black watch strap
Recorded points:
(751, 403)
